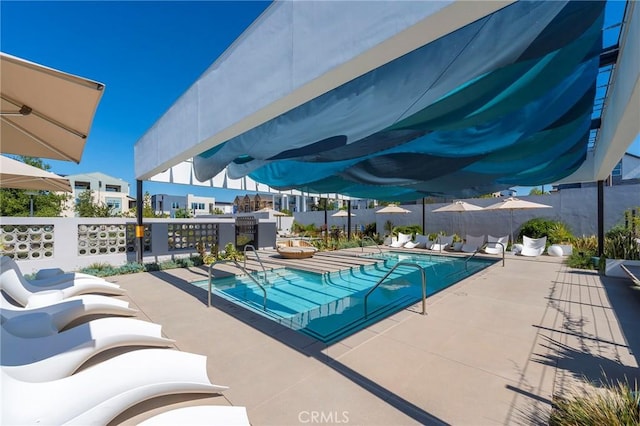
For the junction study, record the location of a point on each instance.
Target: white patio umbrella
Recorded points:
(458, 207)
(44, 112)
(342, 213)
(512, 204)
(393, 209)
(16, 174)
(273, 212)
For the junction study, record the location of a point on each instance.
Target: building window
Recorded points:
(617, 170)
(82, 185)
(175, 205)
(112, 188)
(114, 203)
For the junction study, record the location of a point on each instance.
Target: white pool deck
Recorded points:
(492, 349)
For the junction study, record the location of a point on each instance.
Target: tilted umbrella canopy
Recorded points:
(512, 204)
(15, 174)
(392, 208)
(45, 113)
(459, 207)
(342, 213)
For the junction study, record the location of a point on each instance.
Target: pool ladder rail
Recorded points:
(401, 263)
(244, 270)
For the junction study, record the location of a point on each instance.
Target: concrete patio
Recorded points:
(491, 350)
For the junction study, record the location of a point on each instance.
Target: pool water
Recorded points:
(330, 306)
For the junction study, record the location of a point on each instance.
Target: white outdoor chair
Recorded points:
(66, 311)
(492, 246)
(472, 244)
(50, 276)
(21, 290)
(533, 247)
(420, 241)
(59, 354)
(210, 415)
(442, 242)
(401, 241)
(101, 392)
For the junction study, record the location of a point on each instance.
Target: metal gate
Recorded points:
(246, 231)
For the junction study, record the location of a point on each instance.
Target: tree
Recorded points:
(182, 214)
(17, 202)
(537, 191)
(86, 207)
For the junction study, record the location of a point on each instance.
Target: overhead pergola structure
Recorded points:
(401, 100)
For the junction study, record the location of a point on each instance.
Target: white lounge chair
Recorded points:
(442, 242)
(58, 355)
(401, 240)
(64, 312)
(51, 276)
(210, 415)
(98, 394)
(472, 244)
(21, 290)
(420, 241)
(493, 247)
(533, 246)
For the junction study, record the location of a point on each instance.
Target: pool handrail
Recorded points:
(478, 251)
(266, 281)
(366, 237)
(403, 263)
(248, 274)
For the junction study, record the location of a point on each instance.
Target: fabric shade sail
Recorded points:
(44, 112)
(16, 174)
(503, 101)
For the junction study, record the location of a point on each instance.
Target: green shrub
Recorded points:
(167, 264)
(130, 268)
(614, 404)
(151, 267)
(370, 229)
(555, 231)
(621, 244)
(409, 229)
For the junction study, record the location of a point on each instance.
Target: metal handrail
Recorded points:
(424, 286)
(478, 251)
(264, 290)
(366, 237)
(266, 281)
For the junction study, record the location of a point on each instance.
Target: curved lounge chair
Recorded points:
(210, 415)
(472, 244)
(50, 277)
(55, 356)
(442, 242)
(103, 391)
(401, 240)
(64, 312)
(13, 282)
(492, 246)
(533, 246)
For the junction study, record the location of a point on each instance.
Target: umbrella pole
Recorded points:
(348, 220)
(511, 229)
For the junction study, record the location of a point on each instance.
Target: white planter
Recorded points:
(613, 268)
(560, 250)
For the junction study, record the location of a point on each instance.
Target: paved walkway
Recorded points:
(492, 350)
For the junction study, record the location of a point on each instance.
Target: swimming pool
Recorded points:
(330, 306)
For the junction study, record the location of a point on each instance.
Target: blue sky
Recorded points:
(146, 53)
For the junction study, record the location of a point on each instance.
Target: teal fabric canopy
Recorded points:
(503, 101)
